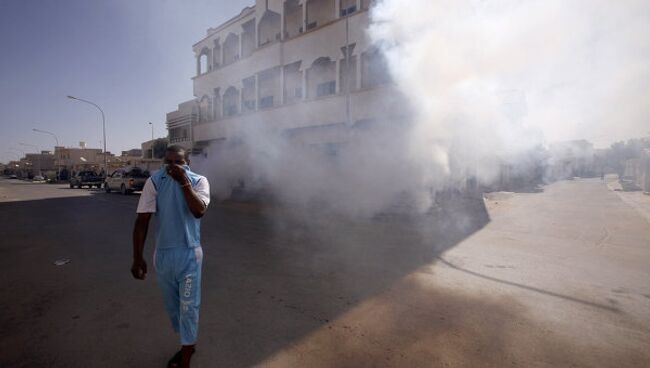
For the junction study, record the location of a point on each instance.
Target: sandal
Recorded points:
(175, 361)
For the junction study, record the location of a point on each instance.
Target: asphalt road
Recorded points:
(559, 278)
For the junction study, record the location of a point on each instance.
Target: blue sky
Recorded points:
(132, 57)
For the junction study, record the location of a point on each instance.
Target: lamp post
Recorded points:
(103, 127)
(150, 123)
(19, 150)
(58, 169)
(46, 132)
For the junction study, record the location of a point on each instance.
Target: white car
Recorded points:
(126, 180)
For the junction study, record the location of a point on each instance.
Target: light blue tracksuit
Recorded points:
(178, 254)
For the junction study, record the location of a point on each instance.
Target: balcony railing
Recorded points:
(179, 139)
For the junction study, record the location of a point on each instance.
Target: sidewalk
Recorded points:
(637, 200)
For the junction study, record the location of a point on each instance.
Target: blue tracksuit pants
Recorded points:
(179, 276)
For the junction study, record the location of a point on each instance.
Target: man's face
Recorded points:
(173, 158)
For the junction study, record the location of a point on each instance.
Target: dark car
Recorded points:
(87, 178)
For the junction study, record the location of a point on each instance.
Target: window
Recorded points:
(374, 69)
(320, 12)
(292, 18)
(230, 103)
(248, 94)
(269, 87)
(248, 38)
(266, 102)
(269, 28)
(249, 105)
(321, 78)
(292, 82)
(348, 7)
(326, 89)
(231, 49)
(348, 70)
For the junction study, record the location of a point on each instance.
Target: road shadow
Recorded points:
(271, 277)
(278, 274)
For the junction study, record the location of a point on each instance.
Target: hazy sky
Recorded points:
(132, 57)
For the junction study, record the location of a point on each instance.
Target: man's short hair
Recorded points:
(177, 149)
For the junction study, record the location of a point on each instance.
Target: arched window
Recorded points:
(216, 54)
(269, 28)
(293, 21)
(319, 12)
(231, 101)
(231, 49)
(321, 78)
(348, 7)
(269, 88)
(292, 82)
(205, 109)
(248, 95)
(248, 38)
(374, 69)
(204, 61)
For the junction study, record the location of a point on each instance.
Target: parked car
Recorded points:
(38, 178)
(86, 178)
(13, 176)
(126, 180)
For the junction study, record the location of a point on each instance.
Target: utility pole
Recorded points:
(103, 127)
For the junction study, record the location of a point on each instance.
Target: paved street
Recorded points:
(559, 278)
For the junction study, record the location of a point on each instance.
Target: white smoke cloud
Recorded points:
(485, 80)
(583, 67)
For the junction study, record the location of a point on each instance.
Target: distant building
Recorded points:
(73, 159)
(42, 163)
(180, 123)
(136, 152)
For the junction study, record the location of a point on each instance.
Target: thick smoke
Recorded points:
(485, 82)
(484, 73)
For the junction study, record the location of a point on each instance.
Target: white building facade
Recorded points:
(303, 68)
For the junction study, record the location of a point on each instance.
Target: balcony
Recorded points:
(324, 41)
(179, 139)
(366, 104)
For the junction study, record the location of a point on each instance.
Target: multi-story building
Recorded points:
(305, 69)
(72, 159)
(42, 163)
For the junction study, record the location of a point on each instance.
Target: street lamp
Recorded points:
(103, 127)
(150, 123)
(19, 150)
(29, 145)
(46, 132)
(58, 169)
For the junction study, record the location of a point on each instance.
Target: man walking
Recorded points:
(179, 198)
